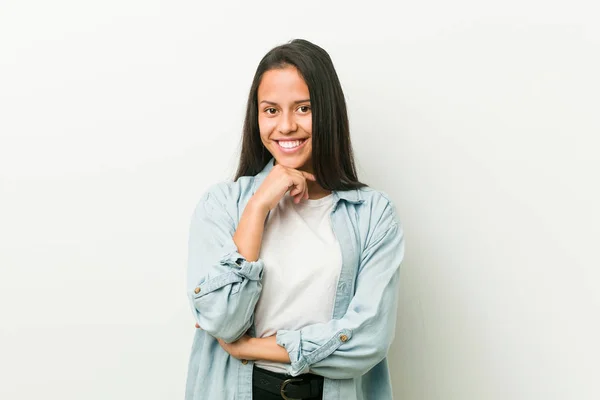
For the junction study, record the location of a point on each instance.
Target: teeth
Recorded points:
(290, 144)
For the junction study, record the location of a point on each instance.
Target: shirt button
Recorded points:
(344, 338)
(197, 290)
(244, 362)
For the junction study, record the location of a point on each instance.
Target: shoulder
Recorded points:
(372, 195)
(226, 196)
(377, 215)
(378, 204)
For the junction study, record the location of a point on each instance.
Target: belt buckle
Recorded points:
(284, 384)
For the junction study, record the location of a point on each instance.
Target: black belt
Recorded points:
(299, 387)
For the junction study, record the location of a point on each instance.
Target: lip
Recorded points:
(295, 149)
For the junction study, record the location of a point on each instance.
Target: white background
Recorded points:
(480, 120)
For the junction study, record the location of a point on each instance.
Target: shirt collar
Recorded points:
(351, 196)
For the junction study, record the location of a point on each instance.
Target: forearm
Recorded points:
(265, 349)
(352, 344)
(223, 286)
(249, 233)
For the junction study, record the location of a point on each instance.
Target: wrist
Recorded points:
(246, 352)
(265, 349)
(255, 207)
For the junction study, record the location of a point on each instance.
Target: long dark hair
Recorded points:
(332, 156)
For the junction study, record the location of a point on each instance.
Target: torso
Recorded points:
(302, 265)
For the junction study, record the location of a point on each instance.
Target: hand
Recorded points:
(250, 348)
(236, 349)
(278, 182)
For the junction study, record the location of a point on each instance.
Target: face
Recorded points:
(284, 118)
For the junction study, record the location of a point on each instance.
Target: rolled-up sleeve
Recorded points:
(222, 286)
(350, 346)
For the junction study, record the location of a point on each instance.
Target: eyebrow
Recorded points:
(274, 104)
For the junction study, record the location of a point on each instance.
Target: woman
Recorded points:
(293, 267)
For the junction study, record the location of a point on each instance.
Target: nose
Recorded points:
(287, 123)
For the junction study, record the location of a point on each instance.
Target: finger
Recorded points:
(300, 184)
(308, 175)
(302, 195)
(306, 189)
(299, 175)
(198, 326)
(296, 190)
(301, 192)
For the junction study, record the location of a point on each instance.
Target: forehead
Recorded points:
(282, 83)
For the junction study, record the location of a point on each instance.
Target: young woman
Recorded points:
(293, 267)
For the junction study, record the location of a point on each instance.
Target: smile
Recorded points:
(290, 146)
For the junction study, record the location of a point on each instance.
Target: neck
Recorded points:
(315, 191)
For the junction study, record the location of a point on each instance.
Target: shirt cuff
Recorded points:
(300, 363)
(248, 269)
(292, 342)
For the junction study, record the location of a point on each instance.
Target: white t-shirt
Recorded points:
(302, 263)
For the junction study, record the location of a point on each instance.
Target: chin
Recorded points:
(291, 162)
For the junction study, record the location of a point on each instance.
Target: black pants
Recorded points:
(260, 394)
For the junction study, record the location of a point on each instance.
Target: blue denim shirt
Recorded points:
(223, 289)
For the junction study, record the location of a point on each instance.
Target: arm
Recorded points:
(249, 348)
(349, 347)
(224, 272)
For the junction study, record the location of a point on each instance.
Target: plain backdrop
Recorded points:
(480, 119)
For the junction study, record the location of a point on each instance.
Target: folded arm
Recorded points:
(224, 279)
(350, 346)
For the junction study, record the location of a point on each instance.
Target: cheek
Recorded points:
(306, 124)
(265, 126)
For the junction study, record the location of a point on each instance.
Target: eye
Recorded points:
(304, 109)
(270, 110)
